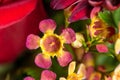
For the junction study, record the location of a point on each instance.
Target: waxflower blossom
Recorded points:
(98, 28)
(51, 44)
(116, 74)
(83, 9)
(80, 75)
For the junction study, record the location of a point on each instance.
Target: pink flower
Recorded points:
(100, 29)
(102, 48)
(82, 9)
(16, 22)
(51, 44)
(48, 75)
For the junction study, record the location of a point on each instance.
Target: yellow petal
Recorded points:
(62, 78)
(71, 68)
(116, 74)
(78, 42)
(82, 70)
(117, 46)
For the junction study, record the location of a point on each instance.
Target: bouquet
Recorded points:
(79, 41)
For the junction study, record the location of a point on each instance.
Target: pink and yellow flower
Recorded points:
(80, 75)
(99, 28)
(51, 44)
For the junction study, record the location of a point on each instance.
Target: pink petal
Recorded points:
(61, 4)
(32, 41)
(109, 5)
(12, 13)
(89, 71)
(43, 61)
(88, 59)
(29, 78)
(101, 48)
(64, 59)
(95, 2)
(69, 35)
(46, 25)
(94, 12)
(80, 12)
(48, 75)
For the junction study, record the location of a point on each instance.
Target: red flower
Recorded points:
(18, 18)
(82, 9)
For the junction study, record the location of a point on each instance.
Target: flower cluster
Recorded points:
(89, 53)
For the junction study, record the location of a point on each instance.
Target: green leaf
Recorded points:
(116, 16)
(80, 25)
(107, 61)
(106, 16)
(60, 71)
(34, 72)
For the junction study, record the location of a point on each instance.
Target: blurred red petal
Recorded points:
(109, 5)
(80, 11)
(95, 2)
(10, 14)
(13, 37)
(61, 4)
(94, 12)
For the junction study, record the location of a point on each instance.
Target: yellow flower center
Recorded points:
(51, 44)
(75, 76)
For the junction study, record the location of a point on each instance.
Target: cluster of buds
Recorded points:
(92, 57)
